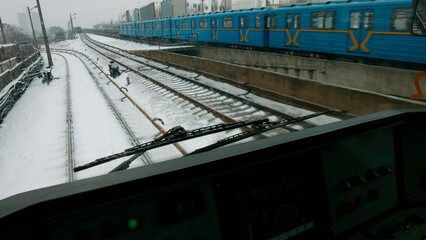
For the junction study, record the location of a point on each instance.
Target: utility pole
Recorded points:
(2, 32)
(46, 41)
(32, 26)
(72, 26)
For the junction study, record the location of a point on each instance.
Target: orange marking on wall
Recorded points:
(215, 35)
(385, 33)
(355, 46)
(295, 37)
(393, 33)
(419, 93)
(365, 41)
(244, 37)
(289, 37)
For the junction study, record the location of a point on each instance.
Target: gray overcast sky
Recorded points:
(56, 12)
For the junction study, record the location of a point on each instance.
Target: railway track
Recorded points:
(135, 141)
(159, 78)
(121, 119)
(70, 150)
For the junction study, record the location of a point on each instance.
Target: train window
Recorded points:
(185, 24)
(400, 19)
(215, 22)
(297, 21)
(228, 22)
(323, 20)
(355, 19)
(368, 20)
(288, 21)
(194, 24)
(158, 25)
(267, 22)
(244, 22)
(257, 20)
(203, 23)
(274, 23)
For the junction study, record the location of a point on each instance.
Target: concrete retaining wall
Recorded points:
(356, 101)
(5, 65)
(386, 80)
(10, 74)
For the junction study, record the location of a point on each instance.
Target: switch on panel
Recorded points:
(355, 170)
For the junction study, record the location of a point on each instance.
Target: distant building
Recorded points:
(214, 6)
(225, 5)
(247, 4)
(174, 8)
(136, 14)
(180, 7)
(199, 6)
(24, 22)
(167, 8)
(128, 18)
(148, 12)
(36, 22)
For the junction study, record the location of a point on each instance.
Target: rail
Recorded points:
(144, 112)
(70, 149)
(165, 70)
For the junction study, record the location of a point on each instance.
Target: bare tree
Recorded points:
(15, 34)
(56, 33)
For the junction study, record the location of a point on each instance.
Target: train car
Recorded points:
(126, 29)
(163, 28)
(204, 32)
(183, 29)
(374, 29)
(78, 30)
(140, 31)
(242, 27)
(150, 28)
(121, 29)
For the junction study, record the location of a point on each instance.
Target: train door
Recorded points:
(244, 28)
(194, 29)
(360, 26)
(164, 28)
(215, 30)
(292, 25)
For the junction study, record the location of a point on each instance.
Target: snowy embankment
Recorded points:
(32, 138)
(127, 45)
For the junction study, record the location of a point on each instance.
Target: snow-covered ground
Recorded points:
(127, 45)
(33, 135)
(32, 138)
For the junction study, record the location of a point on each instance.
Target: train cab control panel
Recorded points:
(362, 178)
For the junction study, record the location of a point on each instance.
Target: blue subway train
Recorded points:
(374, 29)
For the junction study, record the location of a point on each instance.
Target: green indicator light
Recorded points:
(133, 223)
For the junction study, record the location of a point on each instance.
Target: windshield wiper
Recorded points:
(258, 127)
(169, 139)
